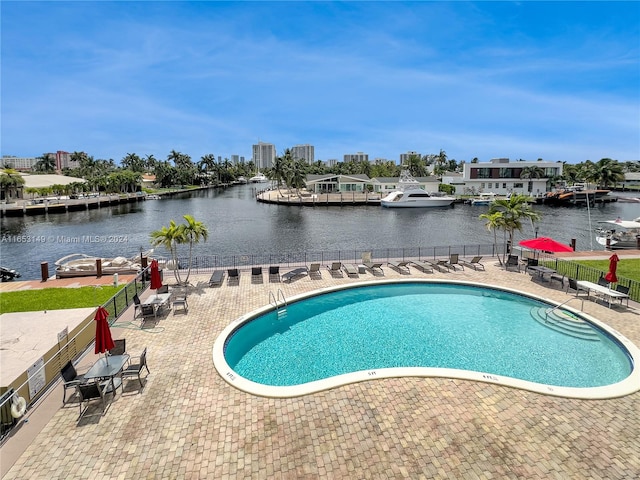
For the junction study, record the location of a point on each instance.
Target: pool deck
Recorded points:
(188, 423)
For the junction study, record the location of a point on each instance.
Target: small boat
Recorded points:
(241, 180)
(259, 178)
(153, 197)
(484, 199)
(8, 274)
(81, 265)
(619, 234)
(410, 195)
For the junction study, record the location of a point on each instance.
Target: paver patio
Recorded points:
(190, 424)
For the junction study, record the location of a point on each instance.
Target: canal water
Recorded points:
(239, 225)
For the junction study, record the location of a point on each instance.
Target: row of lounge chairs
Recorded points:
(351, 269)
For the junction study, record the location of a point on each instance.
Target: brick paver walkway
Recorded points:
(189, 424)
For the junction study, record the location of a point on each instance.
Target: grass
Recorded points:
(56, 298)
(627, 268)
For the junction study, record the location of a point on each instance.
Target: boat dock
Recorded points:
(44, 206)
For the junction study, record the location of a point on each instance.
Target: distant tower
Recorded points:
(264, 154)
(303, 151)
(405, 156)
(356, 157)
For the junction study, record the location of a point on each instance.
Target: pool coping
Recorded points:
(629, 385)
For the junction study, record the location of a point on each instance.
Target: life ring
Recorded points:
(18, 407)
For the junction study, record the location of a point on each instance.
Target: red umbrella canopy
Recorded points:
(613, 266)
(156, 281)
(546, 244)
(104, 341)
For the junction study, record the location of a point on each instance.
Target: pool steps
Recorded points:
(565, 323)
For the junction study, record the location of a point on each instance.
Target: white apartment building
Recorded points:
(264, 154)
(356, 157)
(18, 163)
(306, 152)
(502, 177)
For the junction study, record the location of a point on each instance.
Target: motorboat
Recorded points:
(259, 178)
(241, 180)
(484, 199)
(81, 265)
(619, 234)
(409, 194)
(8, 274)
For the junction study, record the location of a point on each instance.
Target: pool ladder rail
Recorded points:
(273, 300)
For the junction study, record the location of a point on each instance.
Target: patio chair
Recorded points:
(424, 266)
(335, 268)
(296, 272)
(603, 282)
(274, 273)
(135, 369)
(531, 262)
(351, 269)
(256, 274)
(473, 263)
(163, 289)
(573, 285)
(91, 391)
(454, 262)
(402, 267)
(374, 267)
(70, 379)
(512, 262)
(180, 300)
(442, 266)
(120, 347)
(136, 305)
(625, 290)
(233, 276)
(314, 270)
(216, 278)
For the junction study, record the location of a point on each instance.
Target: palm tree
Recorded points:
(193, 232)
(512, 211)
(46, 163)
(170, 237)
(495, 221)
(607, 172)
(531, 172)
(10, 184)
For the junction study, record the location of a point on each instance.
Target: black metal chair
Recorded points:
(70, 379)
(256, 274)
(134, 369)
(512, 262)
(274, 273)
(573, 285)
(120, 347)
(233, 276)
(91, 391)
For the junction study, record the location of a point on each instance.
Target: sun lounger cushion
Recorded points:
(350, 269)
(216, 278)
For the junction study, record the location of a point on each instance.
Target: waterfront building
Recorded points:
(356, 157)
(502, 177)
(18, 163)
(264, 154)
(64, 160)
(306, 152)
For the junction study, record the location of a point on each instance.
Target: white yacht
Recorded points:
(410, 195)
(484, 199)
(619, 234)
(258, 178)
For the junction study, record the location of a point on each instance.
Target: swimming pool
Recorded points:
(374, 330)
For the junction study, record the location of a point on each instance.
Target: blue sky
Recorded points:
(552, 80)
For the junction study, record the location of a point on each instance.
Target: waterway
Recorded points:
(239, 225)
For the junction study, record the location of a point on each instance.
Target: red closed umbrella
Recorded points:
(104, 341)
(156, 281)
(613, 266)
(545, 244)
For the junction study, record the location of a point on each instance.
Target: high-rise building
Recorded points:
(405, 156)
(356, 157)
(264, 154)
(63, 160)
(305, 152)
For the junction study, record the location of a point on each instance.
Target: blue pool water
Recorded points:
(420, 325)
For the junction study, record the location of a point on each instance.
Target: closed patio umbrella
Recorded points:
(545, 244)
(156, 281)
(613, 266)
(104, 341)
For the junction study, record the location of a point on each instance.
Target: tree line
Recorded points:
(179, 169)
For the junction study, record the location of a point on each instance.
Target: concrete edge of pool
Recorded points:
(627, 386)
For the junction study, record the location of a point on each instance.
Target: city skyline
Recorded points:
(551, 80)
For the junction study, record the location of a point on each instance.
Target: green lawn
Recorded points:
(627, 268)
(56, 298)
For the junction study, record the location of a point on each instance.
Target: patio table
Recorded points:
(158, 302)
(602, 290)
(541, 271)
(108, 367)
